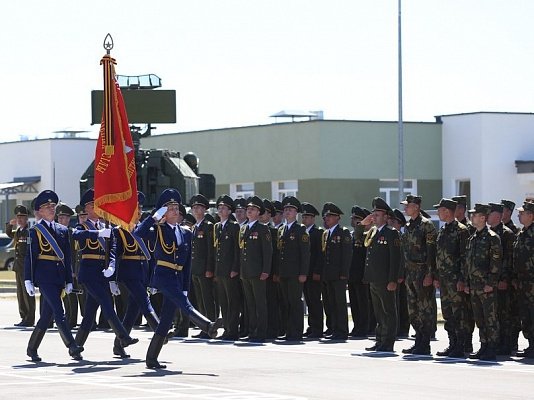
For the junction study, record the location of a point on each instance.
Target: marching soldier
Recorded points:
(94, 274)
(382, 262)
(312, 286)
(293, 265)
(484, 268)
(523, 278)
(172, 273)
(419, 248)
(226, 243)
(70, 301)
(129, 262)
(358, 288)
(17, 229)
(503, 287)
(337, 256)
(450, 265)
(48, 266)
(202, 260)
(255, 243)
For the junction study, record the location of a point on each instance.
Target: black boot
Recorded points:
(124, 337)
(423, 348)
(489, 354)
(153, 352)
(528, 352)
(505, 349)
(414, 346)
(448, 350)
(66, 335)
(33, 344)
(468, 346)
(205, 324)
(479, 353)
(459, 349)
(81, 336)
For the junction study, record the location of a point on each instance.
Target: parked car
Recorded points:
(7, 252)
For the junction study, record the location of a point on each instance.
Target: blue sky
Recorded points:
(235, 62)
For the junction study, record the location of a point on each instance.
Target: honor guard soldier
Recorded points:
(358, 288)
(129, 262)
(508, 209)
(293, 266)
(202, 262)
(226, 245)
(503, 287)
(172, 273)
(276, 308)
(70, 301)
(419, 248)
(17, 229)
(337, 256)
(484, 268)
(523, 278)
(382, 262)
(397, 220)
(48, 266)
(94, 274)
(313, 284)
(256, 251)
(449, 276)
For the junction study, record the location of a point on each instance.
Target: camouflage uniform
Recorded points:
(484, 265)
(419, 247)
(523, 273)
(504, 296)
(450, 261)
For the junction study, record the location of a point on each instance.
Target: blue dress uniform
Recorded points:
(91, 277)
(48, 266)
(172, 275)
(131, 268)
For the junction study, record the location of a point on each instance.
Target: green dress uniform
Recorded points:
(419, 248)
(26, 303)
(276, 309)
(382, 267)
(293, 261)
(484, 265)
(202, 261)
(226, 243)
(256, 252)
(312, 288)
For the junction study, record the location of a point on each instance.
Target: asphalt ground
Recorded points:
(210, 369)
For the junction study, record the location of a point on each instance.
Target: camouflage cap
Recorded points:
(412, 199)
(480, 209)
(527, 206)
(495, 207)
(447, 203)
(509, 204)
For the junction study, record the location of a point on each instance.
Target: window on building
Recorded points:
(281, 189)
(241, 190)
(389, 189)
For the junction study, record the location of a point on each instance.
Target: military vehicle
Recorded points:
(157, 169)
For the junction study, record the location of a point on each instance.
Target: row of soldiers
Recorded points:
(257, 273)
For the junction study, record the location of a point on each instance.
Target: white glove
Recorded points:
(109, 271)
(114, 288)
(160, 213)
(29, 288)
(185, 293)
(152, 290)
(105, 233)
(68, 288)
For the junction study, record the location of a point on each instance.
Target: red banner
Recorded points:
(115, 173)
